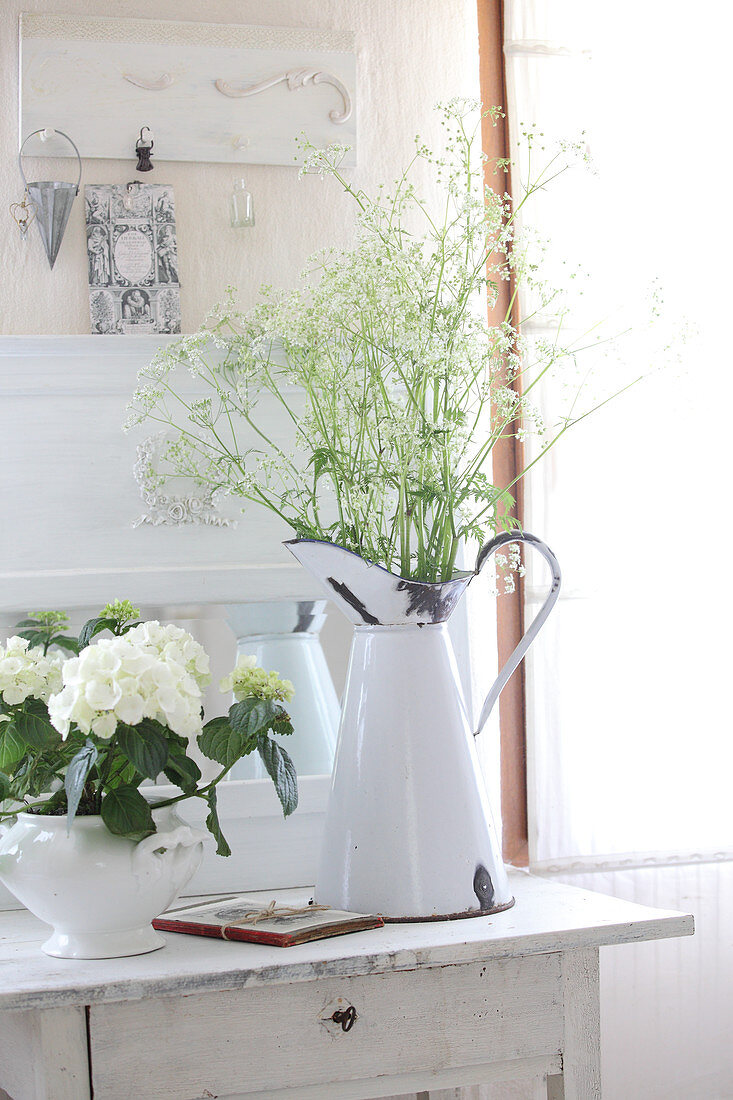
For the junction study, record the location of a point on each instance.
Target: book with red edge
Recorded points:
(247, 920)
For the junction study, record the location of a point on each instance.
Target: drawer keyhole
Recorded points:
(345, 1016)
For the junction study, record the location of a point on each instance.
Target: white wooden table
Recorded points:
(437, 1005)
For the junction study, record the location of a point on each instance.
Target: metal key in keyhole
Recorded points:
(346, 1017)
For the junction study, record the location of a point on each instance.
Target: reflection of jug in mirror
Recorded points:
(284, 636)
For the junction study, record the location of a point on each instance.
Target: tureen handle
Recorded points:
(532, 631)
(148, 852)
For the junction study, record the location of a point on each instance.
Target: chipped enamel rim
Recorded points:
(458, 577)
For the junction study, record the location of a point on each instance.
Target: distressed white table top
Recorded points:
(547, 917)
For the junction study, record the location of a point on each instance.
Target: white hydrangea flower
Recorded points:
(173, 645)
(25, 672)
(119, 680)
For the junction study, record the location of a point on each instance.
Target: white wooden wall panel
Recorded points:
(70, 499)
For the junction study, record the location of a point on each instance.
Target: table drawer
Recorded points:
(269, 1037)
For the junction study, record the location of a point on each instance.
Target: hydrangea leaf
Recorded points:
(35, 730)
(252, 716)
(281, 770)
(220, 742)
(126, 813)
(12, 746)
(76, 777)
(145, 746)
(92, 627)
(214, 826)
(181, 770)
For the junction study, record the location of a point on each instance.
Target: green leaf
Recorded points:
(319, 460)
(76, 777)
(12, 746)
(281, 770)
(92, 627)
(130, 626)
(125, 776)
(36, 730)
(27, 622)
(214, 827)
(64, 642)
(144, 746)
(182, 771)
(126, 813)
(252, 716)
(281, 724)
(176, 739)
(37, 778)
(35, 706)
(4, 786)
(220, 742)
(33, 637)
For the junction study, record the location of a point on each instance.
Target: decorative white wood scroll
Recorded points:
(208, 91)
(296, 78)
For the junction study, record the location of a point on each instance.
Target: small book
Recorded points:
(242, 918)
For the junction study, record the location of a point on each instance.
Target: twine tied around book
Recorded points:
(254, 916)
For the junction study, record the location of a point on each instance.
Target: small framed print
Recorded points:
(133, 259)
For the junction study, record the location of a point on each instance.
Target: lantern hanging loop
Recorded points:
(45, 134)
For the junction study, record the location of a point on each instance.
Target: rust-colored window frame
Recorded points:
(508, 461)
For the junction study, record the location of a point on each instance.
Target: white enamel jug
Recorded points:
(409, 831)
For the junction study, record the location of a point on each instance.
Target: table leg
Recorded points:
(555, 1087)
(44, 1054)
(581, 1076)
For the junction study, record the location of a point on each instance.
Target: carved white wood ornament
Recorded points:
(296, 78)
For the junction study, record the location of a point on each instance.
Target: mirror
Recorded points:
(297, 639)
(70, 540)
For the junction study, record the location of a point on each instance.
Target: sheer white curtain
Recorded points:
(630, 740)
(630, 733)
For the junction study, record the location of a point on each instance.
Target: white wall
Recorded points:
(411, 54)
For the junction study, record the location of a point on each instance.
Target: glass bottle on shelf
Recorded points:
(241, 206)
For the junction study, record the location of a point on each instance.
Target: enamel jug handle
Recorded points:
(532, 631)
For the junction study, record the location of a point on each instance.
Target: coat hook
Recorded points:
(144, 150)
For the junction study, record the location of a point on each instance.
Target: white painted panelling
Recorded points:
(68, 538)
(666, 1008)
(102, 79)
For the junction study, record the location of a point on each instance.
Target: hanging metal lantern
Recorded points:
(53, 200)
